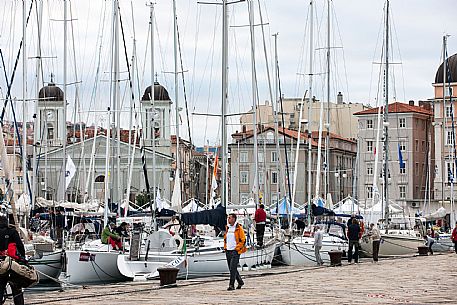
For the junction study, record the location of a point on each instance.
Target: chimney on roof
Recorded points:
(425, 104)
(411, 103)
(339, 98)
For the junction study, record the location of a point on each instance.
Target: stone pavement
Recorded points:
(410, 280)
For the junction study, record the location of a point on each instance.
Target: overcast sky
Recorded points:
(418, 27)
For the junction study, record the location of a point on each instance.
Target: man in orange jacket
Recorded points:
(234, 245)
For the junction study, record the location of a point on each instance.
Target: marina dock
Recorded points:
(406, 280)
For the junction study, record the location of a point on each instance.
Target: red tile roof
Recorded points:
(397, 107)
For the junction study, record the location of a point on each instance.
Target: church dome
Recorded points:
(160, 93)
(51, 93)
(452, 63)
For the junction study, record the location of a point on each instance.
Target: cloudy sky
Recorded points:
(356, 39)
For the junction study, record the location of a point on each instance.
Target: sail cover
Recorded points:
(216, 217)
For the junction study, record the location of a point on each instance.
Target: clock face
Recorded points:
(50, 115)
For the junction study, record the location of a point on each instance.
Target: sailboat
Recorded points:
(300, 250)
(395, 241)
(205, 255)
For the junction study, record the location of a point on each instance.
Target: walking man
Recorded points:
(234, 245)
(375, 236)
(318, 245)
(353, 236)
(260, 218)
(454, 237)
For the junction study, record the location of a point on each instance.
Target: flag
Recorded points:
(400, 157)
(70, 171)
(213, 180)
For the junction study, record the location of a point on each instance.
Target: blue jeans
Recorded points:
(353, 244)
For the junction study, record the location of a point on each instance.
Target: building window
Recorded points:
(370, 169)
(416, 168)
(448, 111)
(274, 157)
(402, 189)
(274, 199)
(403, 145)
(423, 146)
(449, 138)
(369, 192)
(19, 179)
(369, 124)
(417, 145)
(402, 122)
(369, 145)
(260, 157)
(244, 177)
(274, 177)
(50, 131)
(243, 157)
(261, 178)
(403, 170)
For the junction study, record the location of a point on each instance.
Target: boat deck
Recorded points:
(406, 280)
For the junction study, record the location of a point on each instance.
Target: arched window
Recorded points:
(100, 178)
(50, 131)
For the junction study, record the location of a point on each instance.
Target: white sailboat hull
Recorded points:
(210, 262)
(393, 245)
(300, 250)
(93, 263)
(48, 265)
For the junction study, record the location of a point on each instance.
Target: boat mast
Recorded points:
(310, 100)
(36, 132)
(224, 101)
(254, 103)
(117, 107)
(151, 21)
(278, 160)
(24, 93)
(327, 124)
(386, 122)
(178, 165)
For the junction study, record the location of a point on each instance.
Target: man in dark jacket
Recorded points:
(10, 245)
(353, 236)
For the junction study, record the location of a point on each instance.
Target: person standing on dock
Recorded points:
(454, 237)
(260, 218)
(429, 241)
(234, 245)
(375, 236)
(10, 245)
(353, 236)
(318, 245)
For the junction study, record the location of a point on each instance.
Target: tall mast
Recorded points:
(310, 100)
(178, 165)
(24, 112)
(275, 103)
(119, 188)
(254, 102)
(224, 101)
(386, 121)
(36, 132)
(327, 124)
(151, 21)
